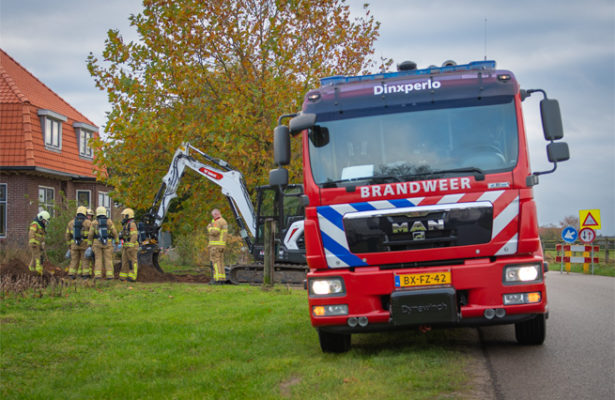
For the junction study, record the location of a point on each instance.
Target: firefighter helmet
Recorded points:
(82, 210)
(101, 211)
(89, 212)
(128, 213)
(43, 216)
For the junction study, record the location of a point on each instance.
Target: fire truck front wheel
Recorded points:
(531, 332)
(334, 342)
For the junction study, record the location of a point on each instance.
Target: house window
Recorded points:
(51, 124)
(104, 201)
(46, 195)
(84, 133)
(3, 206)
(83, 198)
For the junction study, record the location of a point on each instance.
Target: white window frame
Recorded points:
(89, 192)
(85, 133)
(51, 126)
(46, 204)
(105, 201)
(4, 200)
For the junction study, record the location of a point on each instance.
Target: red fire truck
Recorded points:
(419, 206)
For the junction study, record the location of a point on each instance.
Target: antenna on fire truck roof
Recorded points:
(485, 39)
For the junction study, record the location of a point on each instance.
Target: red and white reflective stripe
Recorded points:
(505, 213)
(576, 247)
(577, 260)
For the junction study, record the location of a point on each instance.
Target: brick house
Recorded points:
(44, 152)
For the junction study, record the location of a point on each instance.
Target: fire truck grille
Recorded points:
(416, 228)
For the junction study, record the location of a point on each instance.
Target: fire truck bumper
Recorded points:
(372, 299)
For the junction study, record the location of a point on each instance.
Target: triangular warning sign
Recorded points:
(589, 220)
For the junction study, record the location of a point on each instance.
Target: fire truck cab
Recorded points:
(419, 205)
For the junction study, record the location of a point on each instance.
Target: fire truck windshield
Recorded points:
(409, 145)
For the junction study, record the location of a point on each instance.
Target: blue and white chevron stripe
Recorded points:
(330, 219)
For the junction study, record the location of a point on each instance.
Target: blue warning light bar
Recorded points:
(472, 66)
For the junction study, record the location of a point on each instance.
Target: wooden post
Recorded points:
(269, 244)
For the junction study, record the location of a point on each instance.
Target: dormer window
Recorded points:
(51, 124)
(84, 134)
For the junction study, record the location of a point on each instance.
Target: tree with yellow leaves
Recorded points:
(216, 73)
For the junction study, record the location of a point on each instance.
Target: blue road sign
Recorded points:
(569, 234)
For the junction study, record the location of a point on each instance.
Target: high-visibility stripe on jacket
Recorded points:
(36, 233)
(130, 234)
(217, 231)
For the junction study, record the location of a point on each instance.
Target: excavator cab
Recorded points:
(285, 206)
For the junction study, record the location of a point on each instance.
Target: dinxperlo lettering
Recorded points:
(393, 189)
(406, 87)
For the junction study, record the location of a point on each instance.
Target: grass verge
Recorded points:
(160, 341)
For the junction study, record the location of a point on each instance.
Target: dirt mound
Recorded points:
(16, 270)
(16, 275)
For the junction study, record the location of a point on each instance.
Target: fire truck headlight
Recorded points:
(327, 287)
(522, 273)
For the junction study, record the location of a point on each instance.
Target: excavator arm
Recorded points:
(222, 174)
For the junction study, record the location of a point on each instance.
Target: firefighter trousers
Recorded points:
(216, 256)
(103, 257)
(35, 262)
(129, 263)
(77, 259)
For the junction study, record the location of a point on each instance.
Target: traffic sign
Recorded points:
(587, 235)
(569, 234)
(589, 219)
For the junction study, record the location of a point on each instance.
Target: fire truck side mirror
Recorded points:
(278, 177)
(557, 152)
(281, 145)
(551, 119)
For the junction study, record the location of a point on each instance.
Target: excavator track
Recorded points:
(293, 274)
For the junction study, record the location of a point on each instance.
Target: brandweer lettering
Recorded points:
(406, 87)
(415, 187)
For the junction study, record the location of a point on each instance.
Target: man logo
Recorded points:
(418, 228)
(399, 228)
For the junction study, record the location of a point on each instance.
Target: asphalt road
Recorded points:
(577, 360)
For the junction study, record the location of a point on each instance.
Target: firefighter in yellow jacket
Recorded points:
(36, 240)
(77, 240)
(130, 246)
(100, 237)
(85, 269)
(217, 231)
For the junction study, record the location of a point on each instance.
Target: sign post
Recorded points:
(569, 235)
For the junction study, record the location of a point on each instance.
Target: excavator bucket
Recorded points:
(148, 257)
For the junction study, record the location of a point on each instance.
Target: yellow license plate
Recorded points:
(427, 279)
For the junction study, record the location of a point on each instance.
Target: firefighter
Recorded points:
(77, 240)
(217, 231)
(101, 233)
(87, 263)
(36, 240)
(130, 245)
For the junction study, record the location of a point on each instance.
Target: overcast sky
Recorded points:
(566, 47)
